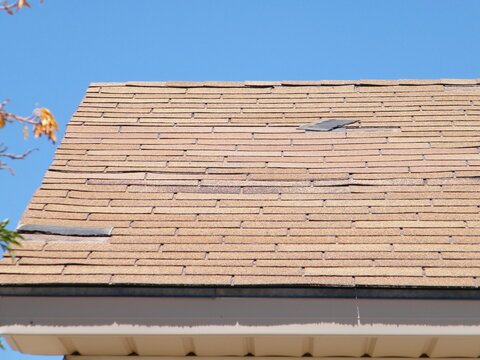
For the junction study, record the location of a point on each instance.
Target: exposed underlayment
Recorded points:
(325, 125)
(64, 230)
(212, 184)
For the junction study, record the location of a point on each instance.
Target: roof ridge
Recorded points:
(364, 82)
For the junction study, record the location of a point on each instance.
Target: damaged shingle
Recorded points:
(65, 230)
(326, 124)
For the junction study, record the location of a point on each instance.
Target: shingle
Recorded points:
(172, 279)
(269, 254)
(415, 281)
(31, 269)
(396, 239)
(99, 209)
(379, 254)
(66, 255)
(230, 231)
(165, 239)
(62, 261)
(409, 224)
(210, 183)
(234, 239)
(53, 279)
(257, 217)
(314, 263)
(123, 269)
(194, 262)
(144, 231)
(186, 224)
(140, 255)
(294, 280)
(206, 210)
(142, 217)
(365, 271)
(334, 247)
(437, 248)
(85, 246)
(243, 270)
(218, 247)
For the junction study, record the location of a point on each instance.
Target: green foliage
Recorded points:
(8, 238)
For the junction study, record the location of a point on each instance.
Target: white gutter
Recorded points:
(58, 324)
(182, 316)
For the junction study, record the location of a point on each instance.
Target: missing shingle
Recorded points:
(326, 124)
(36, 236)
(64, 230)
(337, 125)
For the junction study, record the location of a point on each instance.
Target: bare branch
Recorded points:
(43, 124)
(13, 156)
(12, 117)
(9, 7)
(42, 120)
(3, 165)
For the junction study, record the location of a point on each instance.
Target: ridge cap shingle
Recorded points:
(248, 83)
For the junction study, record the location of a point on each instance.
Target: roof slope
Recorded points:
(212, 183)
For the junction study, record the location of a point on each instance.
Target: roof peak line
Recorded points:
(366, 82)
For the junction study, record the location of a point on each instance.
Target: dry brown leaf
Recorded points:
(47, 124)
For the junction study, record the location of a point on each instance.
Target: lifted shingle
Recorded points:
(326, 124)
(65, 230)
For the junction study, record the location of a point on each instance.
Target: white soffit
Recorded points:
(218, 327)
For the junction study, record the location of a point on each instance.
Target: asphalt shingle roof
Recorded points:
(212, 183)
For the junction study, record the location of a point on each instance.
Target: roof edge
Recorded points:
(192, 84)
(273, 291)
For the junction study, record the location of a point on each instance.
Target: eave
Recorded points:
(221, 326)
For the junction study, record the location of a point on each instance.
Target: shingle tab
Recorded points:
(211, 183)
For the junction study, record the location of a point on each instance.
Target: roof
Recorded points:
(213, 184)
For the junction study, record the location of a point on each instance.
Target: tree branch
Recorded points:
(16, 5)
(12, 156)
(3, 165)
(12, 117)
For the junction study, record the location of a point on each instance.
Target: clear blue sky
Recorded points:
(51, 52)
